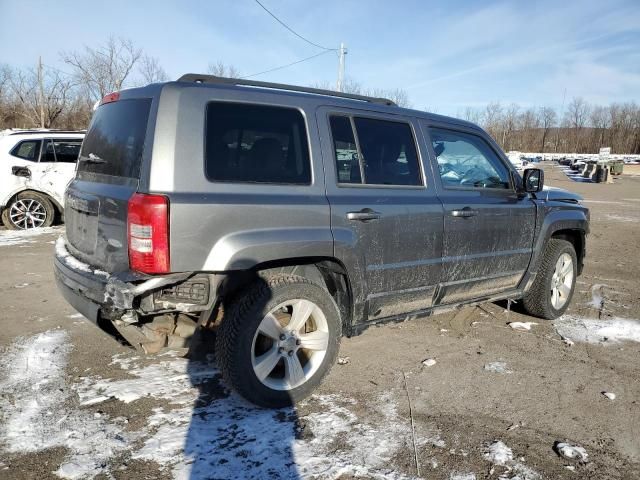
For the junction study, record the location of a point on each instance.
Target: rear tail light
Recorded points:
(148, 233)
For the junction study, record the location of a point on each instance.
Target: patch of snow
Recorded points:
(19, 237)
(73, 262)
(168, 379)
(596, 296)
(34, 412)
(588, 330)
(571, 452)
(521, 325)
(462, 476)
(497, 367)
(498, 453)
(205, 428)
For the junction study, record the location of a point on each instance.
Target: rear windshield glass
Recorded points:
(257, 144)
(114, 142)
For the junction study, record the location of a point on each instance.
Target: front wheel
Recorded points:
(278, 340)
(553, 288)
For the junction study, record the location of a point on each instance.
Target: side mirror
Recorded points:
(21, 172)
(533, 180)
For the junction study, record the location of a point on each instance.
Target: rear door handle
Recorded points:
(466, 212)
(364, 215)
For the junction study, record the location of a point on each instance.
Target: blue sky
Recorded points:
(446, 55)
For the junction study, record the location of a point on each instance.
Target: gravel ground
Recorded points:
(74, 403)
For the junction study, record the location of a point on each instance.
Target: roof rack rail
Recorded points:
(43, 131)
(197, 78)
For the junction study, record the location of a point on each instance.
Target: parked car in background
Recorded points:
(518, 161)
(35, 168)
(284, 217)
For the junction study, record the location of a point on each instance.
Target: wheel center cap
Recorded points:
(289, 343)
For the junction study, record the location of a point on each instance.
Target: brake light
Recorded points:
(148, 233)
(110, 97)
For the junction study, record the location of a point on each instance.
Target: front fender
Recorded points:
(556, 216)
(246, 249)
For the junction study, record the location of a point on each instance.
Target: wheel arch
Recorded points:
(57, 207)
(577, 238)
(328, 272)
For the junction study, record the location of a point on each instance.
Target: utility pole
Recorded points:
(340, 83)
(40, 92)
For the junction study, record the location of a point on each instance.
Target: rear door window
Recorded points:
(385, 151)
(27, 150)
(256, 144)
(115, 140)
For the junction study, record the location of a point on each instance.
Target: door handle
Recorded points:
(466, 212)
(364, 215)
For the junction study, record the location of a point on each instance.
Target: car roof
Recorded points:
(323, 97)
(329, 97)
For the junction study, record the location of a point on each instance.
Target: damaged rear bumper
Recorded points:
(98, 294)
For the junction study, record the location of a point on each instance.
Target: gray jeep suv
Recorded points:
(282, 218)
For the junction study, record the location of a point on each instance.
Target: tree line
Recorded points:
(49, 97)
(580, 128)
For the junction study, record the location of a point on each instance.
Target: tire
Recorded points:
(243, 350)
(539, 301)
(42, 212)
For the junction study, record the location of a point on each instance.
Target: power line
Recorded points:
(287, 65)
(292, 31)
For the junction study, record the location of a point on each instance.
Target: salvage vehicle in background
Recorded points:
(284, 217)
(35, 168)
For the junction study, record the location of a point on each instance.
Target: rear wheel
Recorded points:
(28, 210)
(552, 290)
(279, 340)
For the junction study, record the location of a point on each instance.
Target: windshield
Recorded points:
(115, 140)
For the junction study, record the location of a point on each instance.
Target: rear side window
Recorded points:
(27, 150)
(256, 144)
(67, 151)
(384, 151)
(115, 140)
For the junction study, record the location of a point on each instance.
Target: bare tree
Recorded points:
(151, 71)
(509, 124)
(547, 118)
(600, 122)
(472, 115)
(493, 119)
(398, 96)
(57, 96)
(577, 115)
(219, 69)
(104, 69)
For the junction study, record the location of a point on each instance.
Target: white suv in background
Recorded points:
(35, 167)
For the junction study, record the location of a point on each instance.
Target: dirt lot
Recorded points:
(76, 404)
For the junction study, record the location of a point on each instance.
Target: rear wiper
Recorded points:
(93, 158)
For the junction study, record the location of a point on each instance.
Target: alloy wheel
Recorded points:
(290, 344)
